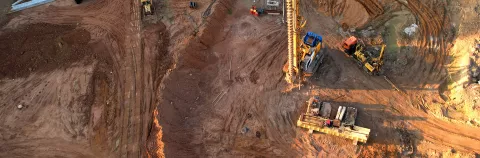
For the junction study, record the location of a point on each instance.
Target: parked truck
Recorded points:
(321, 117)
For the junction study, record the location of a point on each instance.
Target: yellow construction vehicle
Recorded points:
(147, 7)
(305, 57)
(372, 65)
(319, 117)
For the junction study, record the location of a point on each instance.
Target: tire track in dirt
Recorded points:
(433, 45)
(459, 137)
(221, 123)
(109, 21)
(332, 7)
(134, 70)
(373, 8)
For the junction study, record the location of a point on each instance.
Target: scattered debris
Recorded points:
(245, 130)
(453, 151)
(411, 29)
(368, 32)
(207, 11)
(477, 45)
(249, 115)
(219, 97)
(477, 9)
(193, 5)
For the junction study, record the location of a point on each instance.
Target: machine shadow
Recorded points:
(339, 71)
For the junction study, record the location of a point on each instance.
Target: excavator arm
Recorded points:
(292, 40)
(295, 24)
(297, 52)
(380, 57)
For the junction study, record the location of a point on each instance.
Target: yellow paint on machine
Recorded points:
(358, 134)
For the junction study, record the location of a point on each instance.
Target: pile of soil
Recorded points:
(65, 84)
(41, 48)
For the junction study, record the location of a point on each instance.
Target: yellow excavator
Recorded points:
(147, 7)
(372, 65)
(304, 57)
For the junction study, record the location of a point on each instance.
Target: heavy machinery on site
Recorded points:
(304, 57)
(147, 7)
(192, 5)
(363, 56)
(322, 117)
(271, 7)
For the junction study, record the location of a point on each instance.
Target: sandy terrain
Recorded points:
(100, 105)
(101, 80)
(221, 101)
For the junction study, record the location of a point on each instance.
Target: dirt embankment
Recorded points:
(28, 51)
(463, 64)
(186, 89)
(103, 85)
(62, 81)
(156, 42)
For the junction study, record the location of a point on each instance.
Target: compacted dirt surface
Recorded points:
(81, 76)
(100, 79)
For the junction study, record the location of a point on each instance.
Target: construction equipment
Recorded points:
(147, 7)
(303, 58)
(273, 4)
(372, 65)
(261, 11)
(193, 5)
(319, 117)
(255, 11)
(310, 51)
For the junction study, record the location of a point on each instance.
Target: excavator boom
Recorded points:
(303, 59)
(291, 22)
(380, 57)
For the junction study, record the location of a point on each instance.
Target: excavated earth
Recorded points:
(99, 79)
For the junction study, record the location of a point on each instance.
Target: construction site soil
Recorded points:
(99, 79)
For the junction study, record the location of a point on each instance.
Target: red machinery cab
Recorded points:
(349, 45)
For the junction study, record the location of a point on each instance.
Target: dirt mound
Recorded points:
(463, 67)
(41, 48)
(350, 13)
(63, 82)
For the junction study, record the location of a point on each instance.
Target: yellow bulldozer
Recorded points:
(365, 58)
(147, 7)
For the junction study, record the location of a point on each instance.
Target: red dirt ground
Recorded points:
(101, 80)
